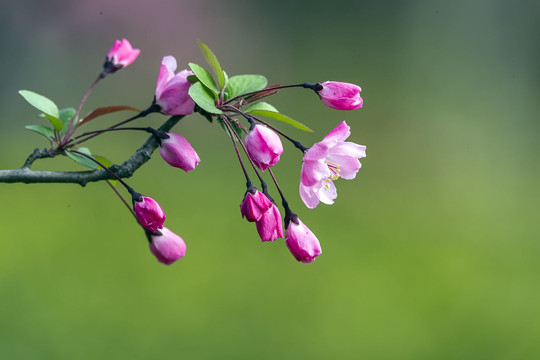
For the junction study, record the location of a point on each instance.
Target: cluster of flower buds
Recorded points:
(230, 102)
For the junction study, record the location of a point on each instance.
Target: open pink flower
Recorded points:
(340, 96)
(167, 247)
(269, 225)
(325, 162)
(254, 205)
(149, 213)
(301, 241)
(178, 152)
(172, 90)
(122, 54)
(263, 146)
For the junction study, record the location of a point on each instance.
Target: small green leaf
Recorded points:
(203, 97)
(243, 84)
(43, 130)
(261, 106)
(40, 102)
(104, 111)
(205, 77)
(57, 123)
(66, 114)
(276, 115)
(212, 60)
(81, 159)
(106, 162)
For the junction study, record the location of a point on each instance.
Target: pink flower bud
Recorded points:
(122, 54)
(172, 90)
(263, 146)
(177, 151)
(269, 225)
(149, 213)
(340, 96)
(167, 247)
(302, 243)
(254, 205)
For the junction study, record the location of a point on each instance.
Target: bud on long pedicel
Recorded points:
(149, 214)
(119, 56)
(302, 243)
(178, 152)
(340, 96)
(166, 246)
(263, 146)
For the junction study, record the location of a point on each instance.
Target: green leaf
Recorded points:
(265, 109)
(205, 77)
(236, 128)
(66, 114)
(261, 106)
(43, 130)
(40, 102)
(106, 162)
(81, 159)
(243, 84)
(212, 60)
(203, 97)
(57, 123)
(104, 111)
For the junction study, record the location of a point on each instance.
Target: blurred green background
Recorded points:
(430, 253)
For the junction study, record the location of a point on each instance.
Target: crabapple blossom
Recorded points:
(172, 90)
(269, 225)
(121, 54)
(327, 161)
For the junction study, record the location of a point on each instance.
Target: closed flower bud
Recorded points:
(254, 205)
(269, 225)
(302, 243)
(178, 152)
(149, 214)
(340, 96)
(172, 90)
(120, 55)
(263, 146)
(166, 246)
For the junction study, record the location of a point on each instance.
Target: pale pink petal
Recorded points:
(327, 193)
(339, 134)
(348, 166)
(166, 73)
(309, 196)
(313, 172)
(350, 149)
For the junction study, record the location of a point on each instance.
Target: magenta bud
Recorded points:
(263, 146)
(167, 247)
(149, 213)
(122, 54)
(172, 90)
(340, 96)
(254, 205)
(269, 225)
(177, 151)
(302, 243)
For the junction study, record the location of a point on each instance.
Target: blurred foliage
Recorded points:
(430, 253)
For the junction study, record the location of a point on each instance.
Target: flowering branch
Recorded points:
(124, 170)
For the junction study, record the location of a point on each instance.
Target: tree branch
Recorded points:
(125, 170)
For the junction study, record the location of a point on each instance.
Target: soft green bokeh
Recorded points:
(430, 253)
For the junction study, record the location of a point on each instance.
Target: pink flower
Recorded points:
(167, 247)
(149, 213)
(254, 205)
(177, 151)
(325, 162)
(269, 225)
(172, 90)
(122, 54)
(302, 243)
(263, 146)
(340, 96)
